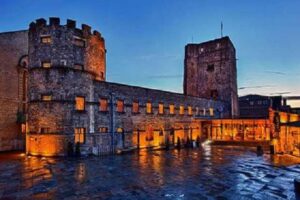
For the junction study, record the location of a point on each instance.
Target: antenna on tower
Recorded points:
(221, 29)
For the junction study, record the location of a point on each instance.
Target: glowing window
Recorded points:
(103, 130)
(46, 97)
(80, 135)
(120, 130)
(103, 105)
(46, 39)
(181, 110)
(172, 109)
(160, 108)
(211, 112)
(46, 64)
(148, 107)
(120, 106)
(80, 103)
(135, 107)
(190, 110)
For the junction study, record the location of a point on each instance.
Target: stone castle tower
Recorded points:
(210, 72)
(64, 61)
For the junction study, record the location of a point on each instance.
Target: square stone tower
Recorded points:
(210, 72)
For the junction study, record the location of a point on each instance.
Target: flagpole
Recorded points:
(221, 29)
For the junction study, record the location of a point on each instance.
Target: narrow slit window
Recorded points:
(181, 110)
(148, 108)
(172, 109)
(160, 108)
(190, 110)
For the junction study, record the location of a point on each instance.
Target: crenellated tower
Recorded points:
(64, 62)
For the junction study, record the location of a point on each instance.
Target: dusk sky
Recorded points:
(145, 39)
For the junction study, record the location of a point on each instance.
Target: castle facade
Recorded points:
(54, 93)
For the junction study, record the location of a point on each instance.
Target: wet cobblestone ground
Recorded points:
(208, 173)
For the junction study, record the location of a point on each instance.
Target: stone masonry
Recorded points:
(13, 77)
(210, 72)
(64, 48)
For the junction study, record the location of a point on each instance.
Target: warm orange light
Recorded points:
(160, 108)
(80, 103)
(148, 107)
(172, 109)
(181, 110)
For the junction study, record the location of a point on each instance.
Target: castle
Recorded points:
(54, 92)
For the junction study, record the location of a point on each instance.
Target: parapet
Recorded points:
(85, 30)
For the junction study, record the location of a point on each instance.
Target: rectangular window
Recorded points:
(135, 107)
(160, 108)
(80, 135)
(148, 107)
(197, 111)
(210, 67)
(181, 110)
(211, 112)
(80, 103)
(103, 105)
(120, 106)
(46, 64)
(190, 110)
(101, 75)
(46, 39)
(103, 130)
(46, 97)
(172, 109)
(78, 66)
(80, 42)
(63, 62)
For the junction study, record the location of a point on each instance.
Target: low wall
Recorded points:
(46, 145)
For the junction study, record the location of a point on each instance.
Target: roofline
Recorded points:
(158, 90)
(213, 41)
(8, 32)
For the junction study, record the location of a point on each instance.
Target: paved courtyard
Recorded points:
(212, 172)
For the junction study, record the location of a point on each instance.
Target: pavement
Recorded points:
(211, 172)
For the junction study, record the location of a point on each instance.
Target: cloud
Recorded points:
(279, 93)
(258, 86)
(165, 76)
(275, 72)
(158, 56)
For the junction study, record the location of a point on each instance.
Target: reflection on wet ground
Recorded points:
(208, 173)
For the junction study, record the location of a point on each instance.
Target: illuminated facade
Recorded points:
(70, 103)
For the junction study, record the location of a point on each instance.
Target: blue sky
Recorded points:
(145, 39)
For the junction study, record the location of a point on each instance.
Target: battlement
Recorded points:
(54, 22)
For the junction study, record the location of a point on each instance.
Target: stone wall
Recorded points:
(13, 47)
(210, 71)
